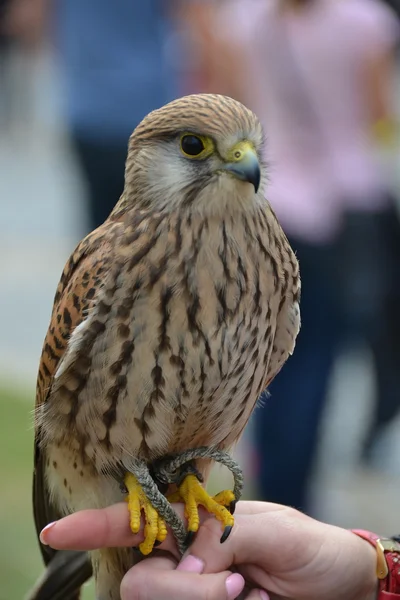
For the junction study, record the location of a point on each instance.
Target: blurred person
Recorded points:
(319, 75)
(115, 70)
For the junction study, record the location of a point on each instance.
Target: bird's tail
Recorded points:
(63, 577)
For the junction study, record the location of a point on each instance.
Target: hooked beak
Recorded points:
(244, 164)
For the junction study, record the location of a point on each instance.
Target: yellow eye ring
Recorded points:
(192, 145)
(195, 146)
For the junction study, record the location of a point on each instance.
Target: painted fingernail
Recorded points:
(264, 595)
(191, 564)
(44, 531)
(234, 585)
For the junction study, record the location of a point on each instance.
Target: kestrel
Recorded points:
(168, 322)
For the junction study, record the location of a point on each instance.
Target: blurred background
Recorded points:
(76, 76)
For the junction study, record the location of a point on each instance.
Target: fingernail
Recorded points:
(264, 595)
(44, 531)
(191, 564)
(234, 585)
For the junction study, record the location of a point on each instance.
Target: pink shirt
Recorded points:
(311, 102)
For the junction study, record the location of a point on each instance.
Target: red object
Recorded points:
(388, 564)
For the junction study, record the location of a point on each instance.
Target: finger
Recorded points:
(109, 527)
(98, 528)
(141, 583)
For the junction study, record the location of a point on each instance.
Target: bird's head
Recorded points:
(201, 151)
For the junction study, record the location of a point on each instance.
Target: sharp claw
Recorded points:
(137, 551)
(157, 543)
(226, 533)
(190, 538)
(232, 507)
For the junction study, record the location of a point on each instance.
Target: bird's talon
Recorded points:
(226, 534)
(190, 536)
(155, 528)
(195, 495)
(232, 507)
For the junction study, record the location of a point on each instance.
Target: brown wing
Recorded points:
(288, 319)
(81, 279)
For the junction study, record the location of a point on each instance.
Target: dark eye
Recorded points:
(192, 145)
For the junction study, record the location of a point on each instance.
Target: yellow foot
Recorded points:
(192, 493)
(155, 529)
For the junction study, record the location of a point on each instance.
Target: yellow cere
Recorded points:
(239, 150)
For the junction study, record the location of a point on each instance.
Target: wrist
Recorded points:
(352, 575)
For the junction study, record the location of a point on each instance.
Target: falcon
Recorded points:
(169, 321)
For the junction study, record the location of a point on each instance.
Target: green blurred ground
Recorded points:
(20, 562)
(19, 553)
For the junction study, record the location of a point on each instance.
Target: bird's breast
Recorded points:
(184, 346)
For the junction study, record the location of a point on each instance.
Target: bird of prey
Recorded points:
(169, 320)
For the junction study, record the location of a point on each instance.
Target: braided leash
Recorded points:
(167, 471)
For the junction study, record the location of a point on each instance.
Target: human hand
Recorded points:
(272, 547)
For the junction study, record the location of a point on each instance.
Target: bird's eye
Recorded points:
(192, 145)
